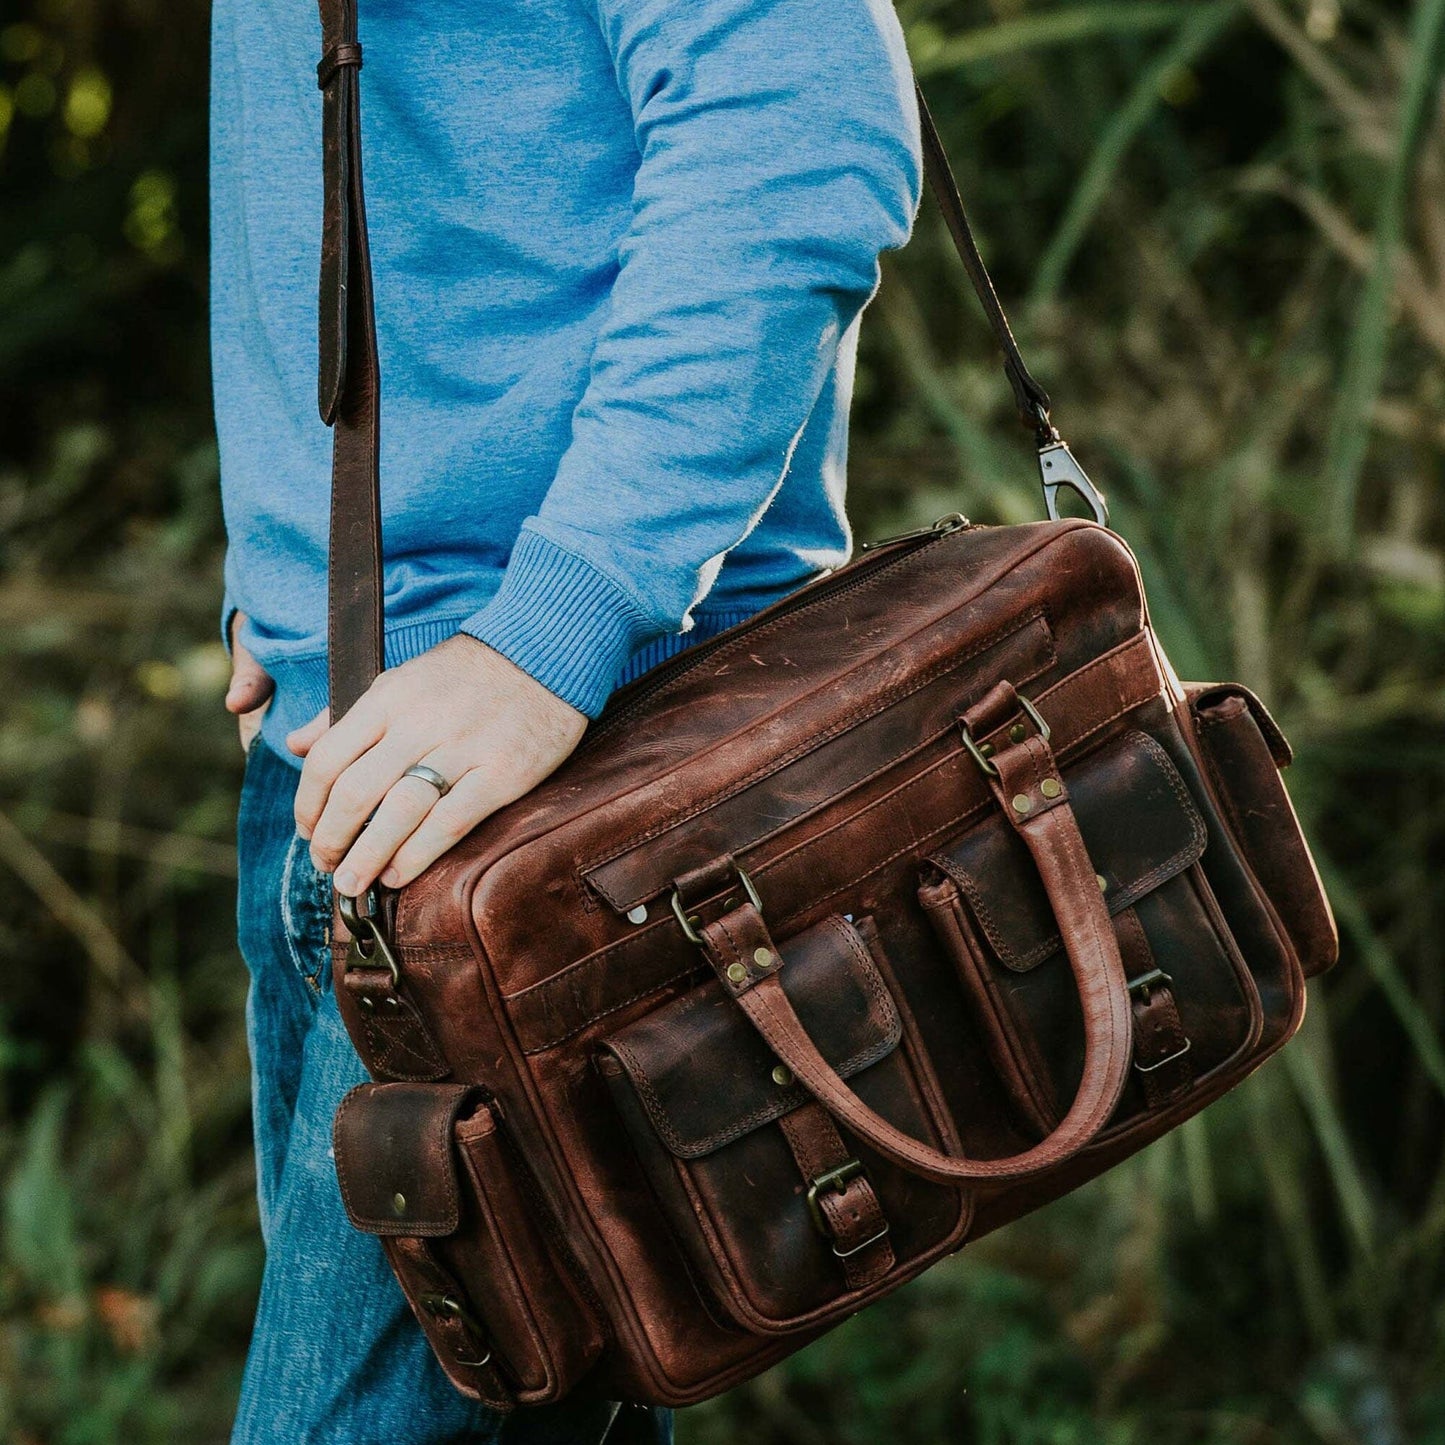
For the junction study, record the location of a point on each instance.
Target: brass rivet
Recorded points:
(638, 914)
(782, 1076)
(1102, 882)
(398, 1202)
(1022, 803)
(1017, 733)
(763, 957)
(693, 921)
(986, 749)
(737, 972)
(730, 903)
(1051, 787)
(367, 1002)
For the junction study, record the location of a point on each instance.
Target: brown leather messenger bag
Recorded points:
(907, 906)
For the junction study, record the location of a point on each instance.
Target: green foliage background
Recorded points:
(1221, 224)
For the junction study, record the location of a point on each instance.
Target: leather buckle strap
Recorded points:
(347, 53)
(842, 1202)
(401, 1043)
(446, 1306)
(1161, 1047)
(982, 753)
(838, 1181)
(461, 1343)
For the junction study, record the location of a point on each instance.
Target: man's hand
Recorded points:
(485, 725)
(250, 691)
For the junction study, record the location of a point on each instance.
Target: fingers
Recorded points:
(406, 804)
(357, 793)
(303, 738)
(331, 754)
(472, 798)
(250, 684)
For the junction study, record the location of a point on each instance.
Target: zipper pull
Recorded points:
(953, 522)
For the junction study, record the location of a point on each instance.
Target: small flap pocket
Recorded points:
(1140, 827)
(395, 1160)
(705, 1076)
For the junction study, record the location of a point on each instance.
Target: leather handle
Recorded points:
(1033, 796)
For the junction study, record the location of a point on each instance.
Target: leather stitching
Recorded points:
(879, 705)
(1160, 873)
(872, 579)
(786, 1101)
(451, 1216)
(593, 960)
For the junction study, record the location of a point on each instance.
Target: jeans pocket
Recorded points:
(306, 914)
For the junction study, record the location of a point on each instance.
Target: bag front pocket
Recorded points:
(1195, 1006)
(429, 1169)
(787, 1220)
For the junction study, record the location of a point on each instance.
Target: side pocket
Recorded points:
(546, 1330)
(1244, 752)
(426, 1167)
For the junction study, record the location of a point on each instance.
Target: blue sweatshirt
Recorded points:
(621, 248)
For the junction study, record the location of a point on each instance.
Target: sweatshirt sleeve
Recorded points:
(779, 154)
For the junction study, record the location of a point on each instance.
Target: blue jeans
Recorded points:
(336, 1355)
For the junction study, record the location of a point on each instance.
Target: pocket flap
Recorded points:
(394, 1157)
(1140, 827)
(705, 1076)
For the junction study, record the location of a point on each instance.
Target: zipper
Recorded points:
(953, 522)
(873, 554)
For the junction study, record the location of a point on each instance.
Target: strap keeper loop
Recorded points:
(348, 52)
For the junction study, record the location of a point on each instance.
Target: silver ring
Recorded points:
(429, 775)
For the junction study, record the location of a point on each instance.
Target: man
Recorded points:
(621, 248)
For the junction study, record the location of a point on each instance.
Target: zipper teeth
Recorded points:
(843, 581)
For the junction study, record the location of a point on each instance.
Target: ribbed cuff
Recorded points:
(561, 621)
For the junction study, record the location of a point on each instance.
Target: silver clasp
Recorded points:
(1058, 468)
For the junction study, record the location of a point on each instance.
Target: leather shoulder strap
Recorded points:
(349, 383)
(349, 378)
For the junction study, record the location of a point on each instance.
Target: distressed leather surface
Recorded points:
(739, 1204)
(1240, 741)
(1137, 821)
(705, 1077)
(394, 1157)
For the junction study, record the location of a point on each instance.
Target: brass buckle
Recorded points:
(369, 946)
(689, 931)
(835, 1179)
(981, 753)
(1146, 981)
